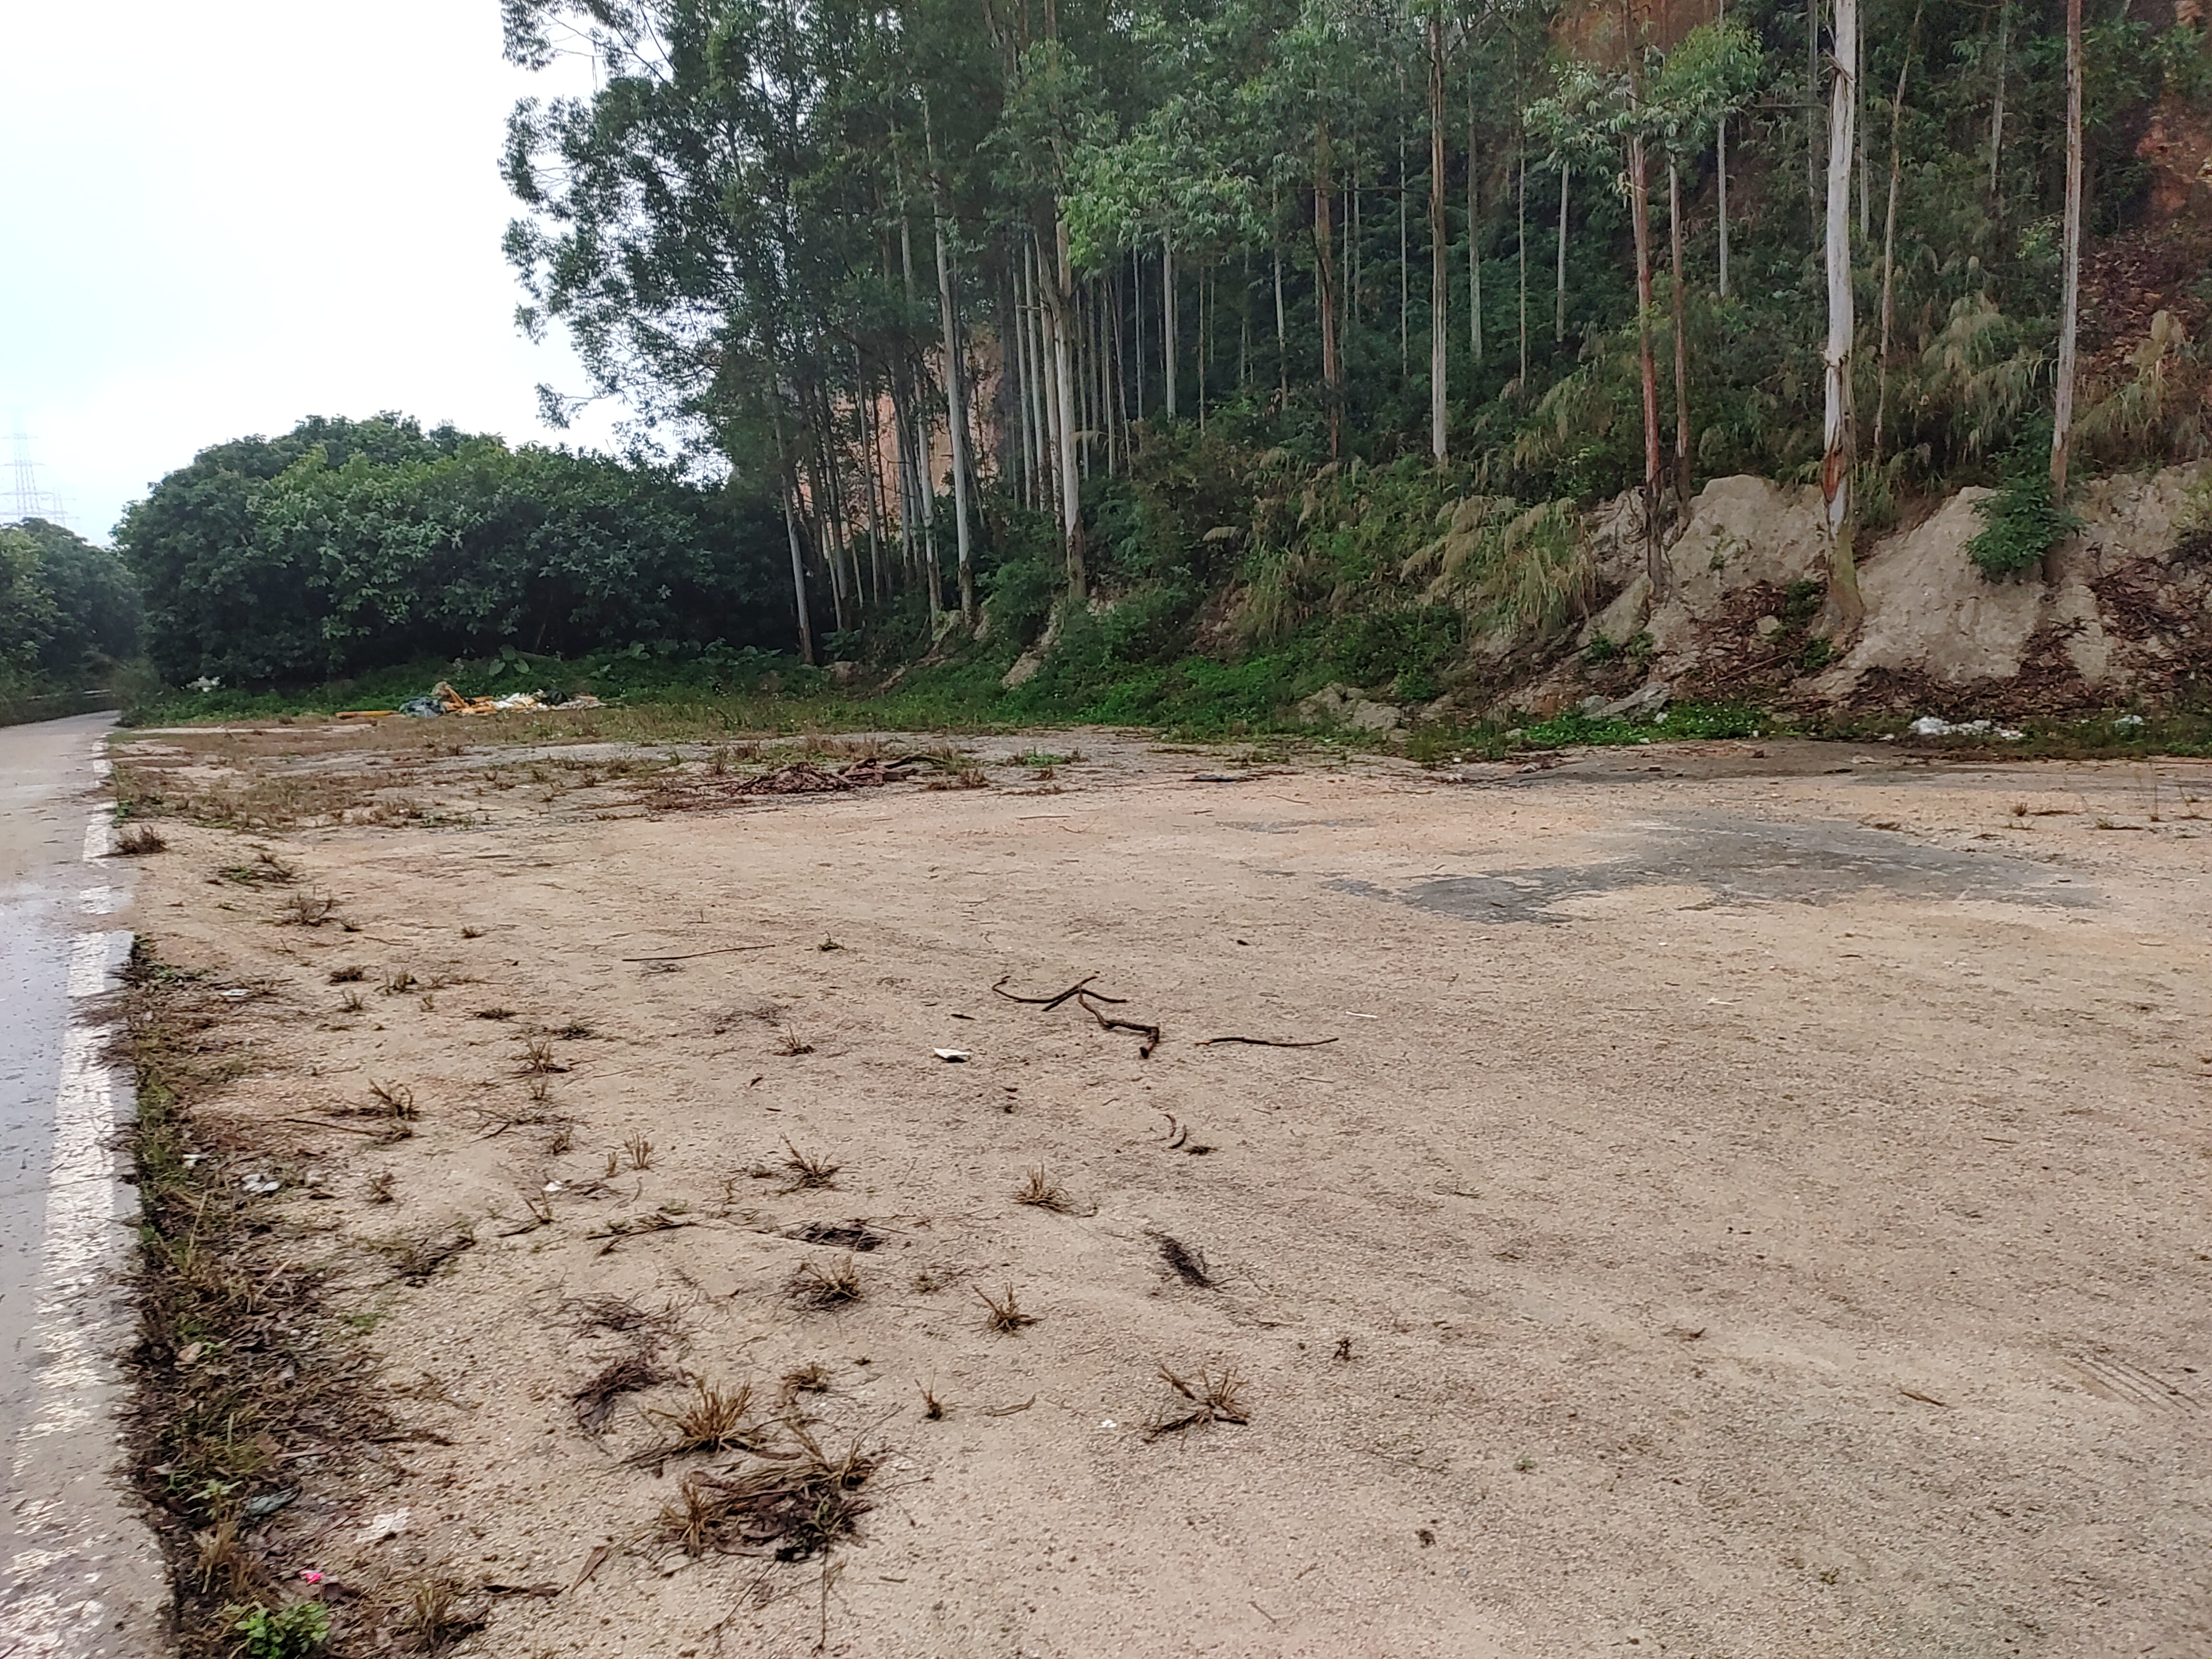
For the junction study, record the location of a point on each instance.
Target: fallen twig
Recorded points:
(1150, 1034)
(720, 950)
(1008, 1410)
(1050, 1003)
(1267, 1042)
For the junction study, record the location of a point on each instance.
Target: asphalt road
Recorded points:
(79, 1573)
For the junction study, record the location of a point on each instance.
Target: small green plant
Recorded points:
(1801, 603)
(2021, 523)
(1598, 650)
(284, 1633)
(1816, 655)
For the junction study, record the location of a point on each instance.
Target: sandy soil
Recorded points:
(1752, 1200)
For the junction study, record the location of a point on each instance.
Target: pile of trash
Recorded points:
(444, 700)
(1932, 726)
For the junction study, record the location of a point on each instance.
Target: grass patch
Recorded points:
(237, 1364)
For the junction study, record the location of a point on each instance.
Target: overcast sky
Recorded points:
(217, 219)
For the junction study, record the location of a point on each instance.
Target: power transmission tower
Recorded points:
(30, 501)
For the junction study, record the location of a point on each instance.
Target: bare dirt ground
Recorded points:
(1751, 1199)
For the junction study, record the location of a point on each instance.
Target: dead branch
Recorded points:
(1150, 1034)
(720, 950)
(1050, 1003)
(1267, 1042)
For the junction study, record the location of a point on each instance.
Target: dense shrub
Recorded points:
(344, 546)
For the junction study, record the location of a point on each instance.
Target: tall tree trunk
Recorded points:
(1520, 240)
(1282, 332)
(1859, 123)
(1137, 321)
(784, 484)
(1439, 245)
(1121, 380)
(865, 408)
(1639, 203)
(1071, 495)
(1171, 334)
(2070, 301)
(1998, 104)
(1202, 343)
(1473, 240)
(1405, 246)
(1086, 436)
(955, 392)
(1839, 447)
(1889, 238)
(1720, 167)
(1559, 282)
(925, 489)
(812, 458)
(1680, 298)
(1813, 106)
(1040, 419)
(1048, 350)
(1332, 371)
(1014, 364)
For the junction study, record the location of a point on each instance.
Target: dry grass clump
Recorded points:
(640, 1153)
(138, 840)
(537, 1058)
(1196, 1401)
(1006, 1317)
(223, 1563)
(711, 1421)
(352, 975)
(809, 1378)
(439, 1618)
(808, 1171)
(824, 1286)
(1041, 1191)
(267, 870)
(798, 1502)
(397, 1098)
(307, 910)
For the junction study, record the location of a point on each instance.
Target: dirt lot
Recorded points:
(1749, 1199)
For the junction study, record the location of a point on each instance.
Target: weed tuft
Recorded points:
(823, 1287)
(797, 1503)
(711, 1421)
(1207, 1397)
(1006, 1317)
(1040, 1191)
(807, 1171)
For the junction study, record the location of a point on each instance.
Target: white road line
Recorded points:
(78, 1328)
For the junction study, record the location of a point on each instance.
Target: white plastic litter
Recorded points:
(1933, 725)
(956, 1055)
(2126, 721)
(261, 1185)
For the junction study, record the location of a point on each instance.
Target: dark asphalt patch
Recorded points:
(1741, 861)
